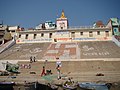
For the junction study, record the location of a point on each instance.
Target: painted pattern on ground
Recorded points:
(25, 51)
(102, 49)
(61, 50)
(65, 51)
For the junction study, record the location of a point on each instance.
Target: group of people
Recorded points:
(32, 59)
(25, 66)
(58, 68)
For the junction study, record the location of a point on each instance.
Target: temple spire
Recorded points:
(62, 15)
(62, 22)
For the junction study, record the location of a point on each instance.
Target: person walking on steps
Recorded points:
(58, 72)
(31, 59)
(43, 71)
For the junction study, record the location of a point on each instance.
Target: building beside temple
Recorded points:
(46, 25)
(114, 24)
(7, 33)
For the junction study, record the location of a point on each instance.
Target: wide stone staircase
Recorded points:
(78, 70)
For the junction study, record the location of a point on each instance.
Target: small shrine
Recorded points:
(62, 22)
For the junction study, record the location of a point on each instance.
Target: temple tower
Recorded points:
(62, 22)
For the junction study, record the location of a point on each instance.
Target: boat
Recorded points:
(53, 86)
(69, 85)
(7, 83)
(93, 86)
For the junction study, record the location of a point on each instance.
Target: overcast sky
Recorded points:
(29, 13)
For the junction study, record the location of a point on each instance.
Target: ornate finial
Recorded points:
(62, 15)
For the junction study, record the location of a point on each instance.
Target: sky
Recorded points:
(30, 13)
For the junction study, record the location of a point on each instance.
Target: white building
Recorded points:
(46, 25)
(63, 33)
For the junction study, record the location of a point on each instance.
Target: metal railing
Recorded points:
(117, 42)
(85, 27)
(7, 45)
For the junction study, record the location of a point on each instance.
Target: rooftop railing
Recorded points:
(86, 27)
(69, 28)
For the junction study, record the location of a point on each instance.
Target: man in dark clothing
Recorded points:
(30, 59)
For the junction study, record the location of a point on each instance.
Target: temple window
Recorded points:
(35, 36)
(26, 37)
(98, 32)
(50, 35)
(90, 34)
(19, 35)
(107, 33)
(81, 33)
(42, 34)
(73, 34)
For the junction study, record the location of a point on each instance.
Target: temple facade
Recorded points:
(63, 33)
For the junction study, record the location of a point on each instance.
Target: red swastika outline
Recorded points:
(61, 49)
